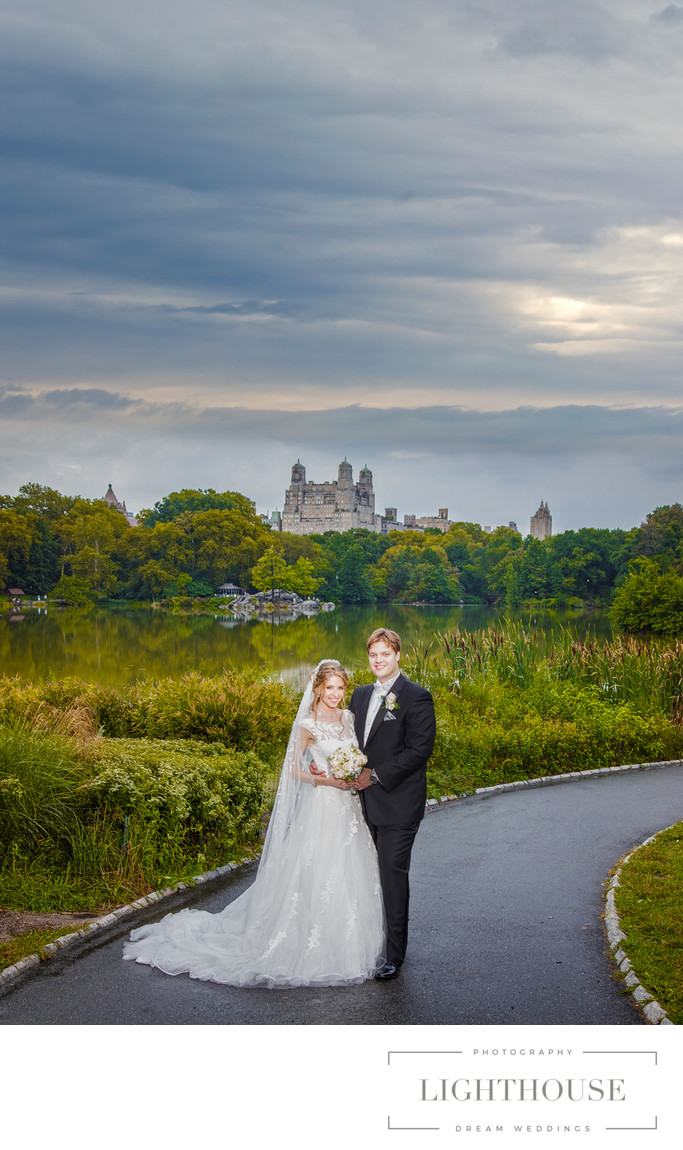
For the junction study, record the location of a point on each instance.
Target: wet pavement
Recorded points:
(505, 927)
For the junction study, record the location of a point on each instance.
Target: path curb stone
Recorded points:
(652, 1010)
(11, 973)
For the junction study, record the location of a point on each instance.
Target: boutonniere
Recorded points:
(390, 702)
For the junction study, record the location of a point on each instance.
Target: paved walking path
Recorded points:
(505, 926)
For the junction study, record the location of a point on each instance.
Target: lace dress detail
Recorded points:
(313, 916)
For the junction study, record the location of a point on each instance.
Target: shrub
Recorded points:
(123, 816)
(182, 787)
(489, 733)
(242, 710)
(650, 599)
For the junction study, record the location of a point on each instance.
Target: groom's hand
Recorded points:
(315, 769)
(363, 780)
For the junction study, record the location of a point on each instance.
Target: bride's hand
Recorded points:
(330, 781)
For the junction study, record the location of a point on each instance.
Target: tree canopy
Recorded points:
(193, 541)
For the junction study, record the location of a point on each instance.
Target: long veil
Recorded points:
(293, 778)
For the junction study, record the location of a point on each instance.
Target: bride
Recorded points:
(313, 916)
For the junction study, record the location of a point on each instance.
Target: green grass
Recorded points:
(31, 943)
(648, 902)
(33, 885)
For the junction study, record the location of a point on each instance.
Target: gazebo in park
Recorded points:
(15, 593)
(230, 589)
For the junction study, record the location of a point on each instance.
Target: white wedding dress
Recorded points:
(313, 916)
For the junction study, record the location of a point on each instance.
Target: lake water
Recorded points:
(121, 646)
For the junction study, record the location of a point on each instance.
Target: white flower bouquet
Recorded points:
(347, 762)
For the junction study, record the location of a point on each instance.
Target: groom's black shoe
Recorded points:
(389, 970)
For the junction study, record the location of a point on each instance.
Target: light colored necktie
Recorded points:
(374, 705)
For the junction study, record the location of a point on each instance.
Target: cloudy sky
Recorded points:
(444, 239)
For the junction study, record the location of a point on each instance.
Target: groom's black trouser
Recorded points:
(394, 845)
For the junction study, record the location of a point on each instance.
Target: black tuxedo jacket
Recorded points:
(399, 744)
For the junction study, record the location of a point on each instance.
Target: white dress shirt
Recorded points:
(380, 691)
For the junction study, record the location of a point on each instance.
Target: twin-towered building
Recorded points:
(341, 505)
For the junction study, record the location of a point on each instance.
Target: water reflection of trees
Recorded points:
(116, 647)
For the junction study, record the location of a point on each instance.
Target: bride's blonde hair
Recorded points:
(325, 671)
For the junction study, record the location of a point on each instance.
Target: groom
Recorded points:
(395, 727)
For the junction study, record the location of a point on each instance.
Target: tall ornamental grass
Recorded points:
(245, 710)
(39, 779)
(646, 673)
(517, 703)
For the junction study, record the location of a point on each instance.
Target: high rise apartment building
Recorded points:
(339, 505)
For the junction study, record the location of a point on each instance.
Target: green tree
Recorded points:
(153, 559)
(660, 537)
(589, 561)
(535, 573)
(300, 578)
(225, 544)
(650, 599)
(90, 561)
(270, 572)
(17, 534)
(179, 503)
(513, 590)
(432, 582)
(353, 584)
(416, 568)
(46, 502)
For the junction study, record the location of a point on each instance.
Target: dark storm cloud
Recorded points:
(584, 30)
(72, 402)
(238, 308)
(569, 429)
(87, 398)
(673, 14)
(13, 403)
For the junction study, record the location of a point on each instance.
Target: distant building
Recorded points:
(340, 505)
(272, 520)
(510, 525)
(389, 521)
(229, 589)
(541, 524)
(440, 521)
(111, 501)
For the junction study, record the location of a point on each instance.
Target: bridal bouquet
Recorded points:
(347, 762)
